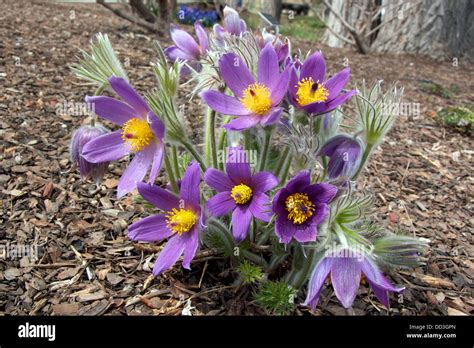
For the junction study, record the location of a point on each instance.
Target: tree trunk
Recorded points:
(273, 7)
(438, 28)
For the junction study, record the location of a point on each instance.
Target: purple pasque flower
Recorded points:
(180, 223)
(346, 267)
(282, 47)
(345, 156)
(142, 134)
(309, 91)
(232, 24)
(185, 47)
(240, 192)
(254, 102)
(300, 207)
(81, 137)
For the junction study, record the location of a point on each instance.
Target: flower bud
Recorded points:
(345, 155)
(401, 251)
(80, 137)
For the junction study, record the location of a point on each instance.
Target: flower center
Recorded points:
(300, 208)
(310, 92)
(180, 221)
(137, 133)
(256, 98)
(241, 193)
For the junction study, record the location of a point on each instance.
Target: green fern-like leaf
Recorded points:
(276, 297)
(250, 273)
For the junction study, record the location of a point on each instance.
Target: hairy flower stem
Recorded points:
(194, 153)
(98, 92)
(364, 159)
(299, 278)
(286, 168)
(169, 172)
(266, 148)
(174, 153)
(282, 161)
(210, 141)
(222, 141)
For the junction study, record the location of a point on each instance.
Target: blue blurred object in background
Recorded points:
(189, 15)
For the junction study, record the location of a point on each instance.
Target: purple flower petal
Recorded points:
(268, 68)
(336, 83)
(219, 32)
(157, 162)
(284, 229)
(224, 104)
(271, 117)
(299, 182)
(232, 21)
(241, 218)
(314, 67)
(149, 229)
(157, 126)
(293, 86)
(306, 233)
(332, 144)
(189, 191)
(185, 42)
(237, 167)
(191, 244)
(169, 255)
(281, 86)
(111, 109)
(345, 278)
(135, 171)
(174, 52)
(323, 192)
(107, 147)
(221, 204)
(202, 36)
(375, 276)
(320, 213)
(279, 200)
(159, 197)
(260, 207)
(340, 99)
(235, 73)
(217, 180)
(241, 123)
(263, 182)
(316, 282)
(129, 95)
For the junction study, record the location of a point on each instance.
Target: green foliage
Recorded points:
(438, 89)
(303, 27)
(461, 118)
(276, 297)
(250, 273)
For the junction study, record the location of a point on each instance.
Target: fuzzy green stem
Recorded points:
(300, 277)
(169, 171)
(194, 153)
(282, 161)
(286, 168)
(266, 148)
(365, 157)
(210, 138)
(174, 154)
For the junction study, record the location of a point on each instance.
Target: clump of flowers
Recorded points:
(275, 189)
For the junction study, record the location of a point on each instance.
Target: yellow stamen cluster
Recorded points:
(310, 92)
(300, 208)
(180, 221)
(137, 133)
(256, 98)
(241, 193)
